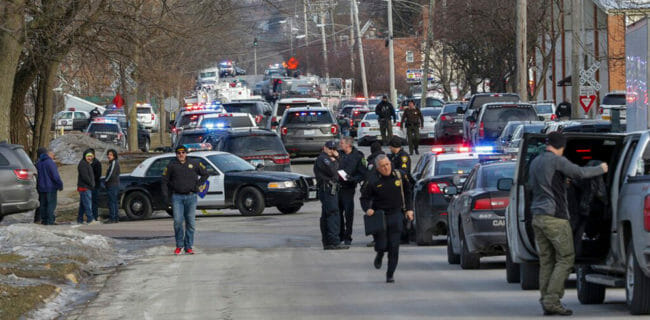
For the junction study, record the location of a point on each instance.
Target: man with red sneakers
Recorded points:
(183, 177)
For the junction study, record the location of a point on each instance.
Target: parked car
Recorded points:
(188, 119)
(546, 110)
(226, 120)
(474, 105)
(240, 71)
(287, 103)
(147, 117)
(304, 130)
(613, 100)
(430, 116)
(448, 128)
(355, 119)
(17, 181)
(493, 117)
(476, 215)
(533, 127)
(508, 133)
(259, 147)
(368, 130)
(108, 129)
(71, 120)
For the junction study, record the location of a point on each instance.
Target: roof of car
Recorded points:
(457, 156)
(491, 104)
(307, 108)
(298, 100)
(230, 114)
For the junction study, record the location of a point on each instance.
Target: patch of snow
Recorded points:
(68, 298)
(68, 148)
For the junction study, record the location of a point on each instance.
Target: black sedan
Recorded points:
(233, 184)
(448, 128)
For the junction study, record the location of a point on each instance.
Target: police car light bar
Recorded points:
(450, 148)
(198, 147)
(104, 120)
(484, 149)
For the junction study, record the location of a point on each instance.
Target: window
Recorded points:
(157, 167)
(451, 167)
(312, 117)
(227, 122)
(144, 110)
(208, 167)
(3, 161)
(103, 127)
(242, 107)
(252, 145)
(230, 163)
(79, 115)
(409, 56)
(492, 174)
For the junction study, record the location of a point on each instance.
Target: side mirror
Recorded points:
(456, 179)
(504, 184)
(259, 167)
(460, 110)
(451, 191)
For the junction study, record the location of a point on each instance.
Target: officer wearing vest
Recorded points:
(327, 177)
(385, 111)
(413, 121)
(353, 162)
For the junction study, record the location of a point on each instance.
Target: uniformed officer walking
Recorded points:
(553, 235)
(385, 111)
(327, 177)
(400, 158)
(353, 162)
(413, 121)
(389, 191)
(183, 177)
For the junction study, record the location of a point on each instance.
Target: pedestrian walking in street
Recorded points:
(553, 235)
(388, 190)
(48, 184)
(182, 177)
(385, 111)
(97, 175)
(85, 186)
(563, 111)
(413, 121)
(344, 124)
(327, 177)
(353, 164)
(112, 182)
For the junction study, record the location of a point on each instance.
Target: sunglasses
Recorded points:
(181, 152)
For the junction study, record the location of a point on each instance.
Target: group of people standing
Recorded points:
(412, 121)
(385, 186)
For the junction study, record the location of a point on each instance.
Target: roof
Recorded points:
(308, 108)
(456, 156)
(290, 100)
(621, 5)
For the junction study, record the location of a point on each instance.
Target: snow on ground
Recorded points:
(69, 147)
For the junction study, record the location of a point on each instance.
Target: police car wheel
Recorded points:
(250, 201)
(137, 206)
(452, 258)
(289, 209)
(468, 260)
(146, 146)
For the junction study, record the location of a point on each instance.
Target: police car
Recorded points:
(107, 130)
(444, 166)
(233, 184)
(190, 115)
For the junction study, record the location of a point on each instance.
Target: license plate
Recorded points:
(257, 162)
(309, 132)
(103, 136)
(379, 137)
(312, 194)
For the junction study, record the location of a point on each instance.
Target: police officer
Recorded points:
(413, 121)
(326, 172)
(400, 158)
(183, 176)
(563, 111)
(353, 162)
(388, 190)
(385, 111)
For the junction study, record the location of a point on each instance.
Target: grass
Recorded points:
(16, 301)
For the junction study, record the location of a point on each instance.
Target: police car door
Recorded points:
(215, 195)
(519, 228)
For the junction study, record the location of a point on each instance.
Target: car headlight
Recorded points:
(281, 185)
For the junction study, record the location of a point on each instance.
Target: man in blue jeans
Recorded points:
(85, 186)
(182, 178)
(49, 183)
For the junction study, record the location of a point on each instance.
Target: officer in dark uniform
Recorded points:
(563, 111)
(388, 190)
(184, 177)
(353, 162)
(326, 172)
(413, 121)
(400, 158)
(385, 111)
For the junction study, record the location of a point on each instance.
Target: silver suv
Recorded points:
(304, 130)
(17, 180)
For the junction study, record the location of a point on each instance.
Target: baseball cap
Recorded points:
(395, 142)
(331, 145)
(181, 148)
(556, 140)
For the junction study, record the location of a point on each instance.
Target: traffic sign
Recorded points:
(415, 76)
(587, 101)
(587, 76)
(171, 104)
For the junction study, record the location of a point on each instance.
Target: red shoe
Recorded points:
(189, 251)
(177, 251)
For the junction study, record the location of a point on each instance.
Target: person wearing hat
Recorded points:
(182, 178)
(326, 171)
(85, 186)
(48, 184)
(385, 111)
(553, 235)
(401, 161)
(413, 120)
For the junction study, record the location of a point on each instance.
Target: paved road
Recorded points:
(273, 267)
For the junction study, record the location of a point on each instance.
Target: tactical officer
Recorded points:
(385, 111)
(327, 176)
(413, 121)
(183, 176)
(388, 190)
(548, 173)
(563, 111)
(353, 162)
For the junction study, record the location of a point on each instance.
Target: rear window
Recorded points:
(312, 117)
(242, 107)
(431, 112)
(192, 138)
(359, 114)
(431, 103)
(208, 74)
(227, 122)
(492, 174)
(544, 108)
(481, 100)
(189, 118)
(103, 127)
(533, 128)
(450, 108)
(255, 145)
(144, 111)
(614, 99)
(448, 167)
(495, 118)
(283, 106)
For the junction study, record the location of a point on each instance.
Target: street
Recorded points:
(273, 267)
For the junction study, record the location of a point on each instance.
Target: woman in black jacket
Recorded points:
(112, 183)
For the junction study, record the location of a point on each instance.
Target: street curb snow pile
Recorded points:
(69, 147)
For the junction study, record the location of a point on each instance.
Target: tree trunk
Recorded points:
(24, 79)
(45, 106)
(12, 18)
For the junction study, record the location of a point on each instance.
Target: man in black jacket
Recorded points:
(183, 177)
(112, 183)
(85, 186)
(385, 111)
(97, 174)
(326, 172)
(353, 163)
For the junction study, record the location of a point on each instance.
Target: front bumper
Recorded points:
(292, 196)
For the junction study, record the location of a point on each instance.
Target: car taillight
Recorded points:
(281, 159)
(436, 187)
(22, 174)
(351, 123)
(463, 149)
(258, 118)
(445, 118)
(646, 213)
(398, 123)
(274, 119)
(365, 124)
(491, 203)
(600, 110)
(334, 129)
(153, 117)
(284, 131)
(553, 117)
(119, 136)
(481, 130)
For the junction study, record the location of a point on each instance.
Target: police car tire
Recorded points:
(468, 260)
(588, 293)
(289, 209)
(512, 270)
(452, 258)
(637, 285)
(146, 211)
(146, 147)
(254, 195)
(529, 276)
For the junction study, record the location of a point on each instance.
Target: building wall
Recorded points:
(377, 67)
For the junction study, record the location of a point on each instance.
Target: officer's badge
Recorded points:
(201, 165)
(405, 159)
(190, 166)
(164, 173)
(398, 183)
(379, 185)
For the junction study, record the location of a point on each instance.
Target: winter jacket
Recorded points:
(48, 179)
(354, 164)
(85, 175)
(97, 171)
(385, 110)
(113, 174)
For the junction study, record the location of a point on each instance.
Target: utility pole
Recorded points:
(576, 65)
(304, 12)
(351, 43)
(255, 54)
(521, 53)
(427, 49)
(322, 32)
(362, 62)
(391, 54)
(331, 12)
(291, 36)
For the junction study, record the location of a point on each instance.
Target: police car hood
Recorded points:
(264, 175)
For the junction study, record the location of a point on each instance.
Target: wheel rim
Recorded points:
(629, 279)
(249, 202)
(137, 206)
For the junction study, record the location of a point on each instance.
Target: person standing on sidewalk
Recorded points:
(85, 186)
(183, 177)
(97, 174)
(112, 183)
(385, 111)
(353, 162)
(553, 235)
(413, 121)
(48, 184)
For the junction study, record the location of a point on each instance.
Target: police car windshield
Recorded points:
(230, 163)
(227, 122)
(455, 166)
(252, 145)
(242, 107)
(103, 127)
(187, 138)
(492, 174)
(312, 117)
